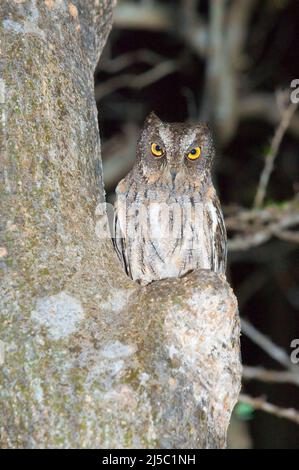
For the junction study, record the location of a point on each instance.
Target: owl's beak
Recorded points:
(173, 174)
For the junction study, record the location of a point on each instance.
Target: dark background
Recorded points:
(265, 278)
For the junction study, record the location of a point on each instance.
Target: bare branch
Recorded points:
(262, 404)
(261, 236)
(127, 59)
(288, 235)
(238, 18)
(264, 106)
(152, 17)
(136, 81)
(155, 17)
(226, 37)
(265, 343)
(257, 226)
(270, 376)
(287, 114)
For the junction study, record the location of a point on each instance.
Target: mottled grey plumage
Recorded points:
(168, 219)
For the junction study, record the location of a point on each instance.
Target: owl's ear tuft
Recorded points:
(152, 119)
(204, 125)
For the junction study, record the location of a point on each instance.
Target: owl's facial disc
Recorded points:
(175, 154)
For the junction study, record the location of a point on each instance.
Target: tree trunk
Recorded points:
(90, 358)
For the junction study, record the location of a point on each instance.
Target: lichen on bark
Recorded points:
(91, 359)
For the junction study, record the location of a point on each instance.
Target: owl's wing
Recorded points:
(217, 234)
(119, 240)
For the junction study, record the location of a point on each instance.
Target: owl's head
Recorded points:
(175, 153)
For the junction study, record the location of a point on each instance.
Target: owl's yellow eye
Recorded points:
(194, 153)
(157, 150)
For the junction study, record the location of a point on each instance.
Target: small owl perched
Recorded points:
(168, 219)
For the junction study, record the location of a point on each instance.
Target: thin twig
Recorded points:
(288, 235)
(130, 15)
(227, 33)
(263, 106)
(270, 376)
(245, 242)
(239, 15)
(262, 404)
(127, 59)
(156, 17)
(256, 226)
(286, 117)
(265, 343)
(137, 81)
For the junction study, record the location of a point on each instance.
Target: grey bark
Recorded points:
(90, 359)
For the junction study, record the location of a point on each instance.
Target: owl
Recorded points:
(167, 219)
